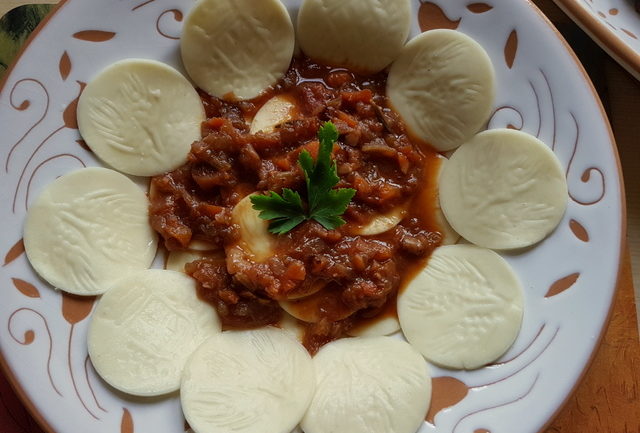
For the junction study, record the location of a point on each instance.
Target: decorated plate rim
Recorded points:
(571, 7)
(603, 35)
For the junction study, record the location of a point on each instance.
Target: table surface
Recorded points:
(608, 398)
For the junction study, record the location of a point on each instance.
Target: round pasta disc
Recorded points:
(365, 36)
(237, 48)
(140, 117)
(368, 385)
(449, 235)
(255, 381)
(273, 113)
(87, 229)
(200, 245)
(464, 310)
(177, 260)
(290, 324)
(144, 330)
(504, 189)
(255, 238)
(377, 328)
(383, 222)
(321, 301)
(442, 85)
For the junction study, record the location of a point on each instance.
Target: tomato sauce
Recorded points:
(338, 277)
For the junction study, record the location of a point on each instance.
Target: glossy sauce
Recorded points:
(337, 276)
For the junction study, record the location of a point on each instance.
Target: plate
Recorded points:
(613, 24)
(569, 278)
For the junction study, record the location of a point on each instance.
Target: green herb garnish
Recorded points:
(325, 204)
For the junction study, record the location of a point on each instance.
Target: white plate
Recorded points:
(613, 24)
(569, 278)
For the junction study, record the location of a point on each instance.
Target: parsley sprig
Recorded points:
(325, 204)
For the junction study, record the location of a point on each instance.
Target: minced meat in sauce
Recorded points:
(344, 277)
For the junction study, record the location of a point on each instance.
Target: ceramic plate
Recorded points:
(613, 24)
(569, 278)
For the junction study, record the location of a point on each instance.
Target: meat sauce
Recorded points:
(337, 276)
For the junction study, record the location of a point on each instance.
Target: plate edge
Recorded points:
(599, 32)
(4, 365)
(42, 422)
(623, 204)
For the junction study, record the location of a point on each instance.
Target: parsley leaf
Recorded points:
(325, 204)
(284, 211)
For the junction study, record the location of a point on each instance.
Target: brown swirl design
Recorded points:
(73, 378)
(431, 16)
(74, 310)
(553, 108)
(525, 350)
(519, 123)
(535, 94)
(512, 110)
(142, 5)
(535, 358)
(177, 15)
(29, 337)
(45, 162)
(22, 106)
(585, 178)
(586, 174)
(14, 252)
(69, 118)
(24, 169)
(87, 365)
(522, 396)
(449, 391)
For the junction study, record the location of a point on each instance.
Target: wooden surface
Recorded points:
(608, 398)
(624, 100)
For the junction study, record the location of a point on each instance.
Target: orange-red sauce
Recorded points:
(360, 275)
